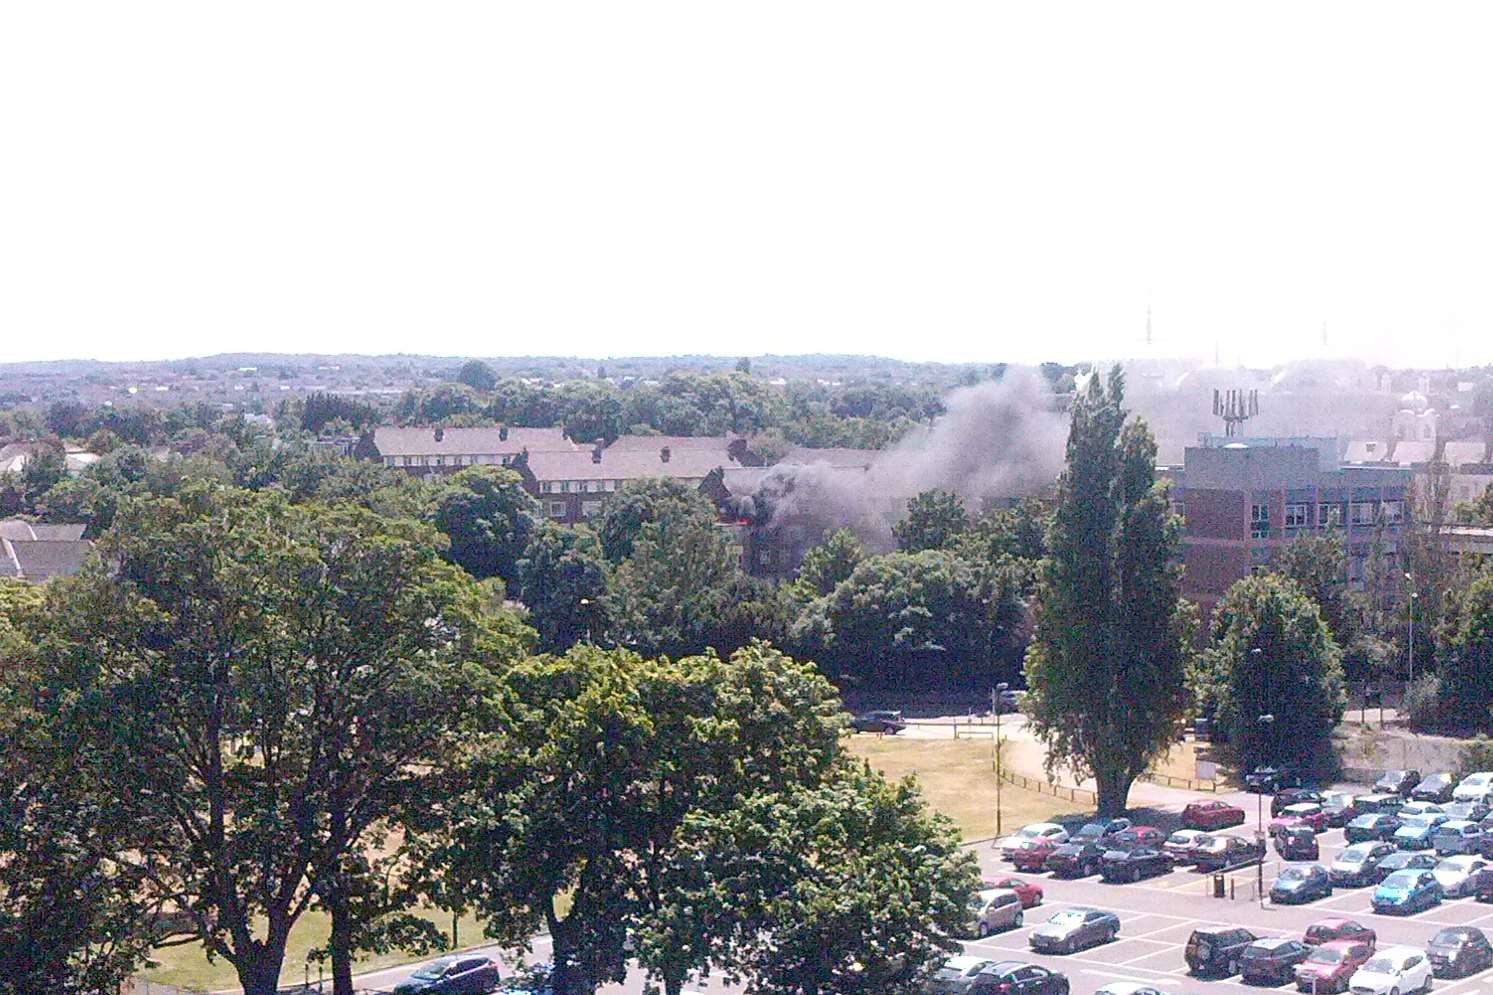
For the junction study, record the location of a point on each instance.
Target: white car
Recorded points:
(1392, 971)
(1127, 988)
(1036, 831)
(957, 975)
(1418, 808)
(1474, 787)
(1458, 875)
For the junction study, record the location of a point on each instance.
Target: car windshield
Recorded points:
(1294, 874)
(1030, 831)
(1380, 965)
(1069, 918)
(1181, 837)
(435, 969)
(1422, 821)
(1402, 879)
(1325, 955)
(1459, 864)
(1090, 831)
(1476, 780)
(1357, 852)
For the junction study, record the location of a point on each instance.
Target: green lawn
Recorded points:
(958, 780)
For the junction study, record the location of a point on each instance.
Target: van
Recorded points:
(1216, 952)
(1387, 804)
(997, 909)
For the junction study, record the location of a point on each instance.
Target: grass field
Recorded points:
(957, 780)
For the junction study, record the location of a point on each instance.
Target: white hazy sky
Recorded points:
(947, 181)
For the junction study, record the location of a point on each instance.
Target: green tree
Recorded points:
(640, 502)
(674, 593)
(934, 520)
(1465, 657)
(824, 566)
(488, 516)
(1107, 660)
(1272, 654)
(263, 687)
(477, 375)
(563, 582)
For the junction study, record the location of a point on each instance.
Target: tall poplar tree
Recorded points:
(1107, 661)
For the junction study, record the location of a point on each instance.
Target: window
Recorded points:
(1329, 516)
(1363, 512)
(1393, 511)
(611, 485)
(564, 487)
(593, 486)
(590, 509)
(557, 509)
(506, 460)
(1259, 521)
(1298, 516)
(440, 461)
(545, 486)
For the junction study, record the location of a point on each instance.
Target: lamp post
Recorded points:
(995, 705)
(1265, 722)
(586, 611)
(1414, 596)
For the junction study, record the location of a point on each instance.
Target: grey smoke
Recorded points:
(999, 439)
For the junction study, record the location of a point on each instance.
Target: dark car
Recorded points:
(1458, 951)
(1224, 851)
(890, 723)
(1373, 826)
(1074, 929)
(1013, 977)
(1359, 864)
(1101, 830)
(1299, 883)
(1398, 782)
(1293, 796)
(1329, 966)
(535, 980)
(452, 975)
(1077, 860)
(1216, 952)
(1388, 804)
(1330, 928)
(1406, 860)
(1211, 815)
(1272, 777)
(1134, 864)
(1471, 811)
(1297, 843)
(1271, 961)
(1436, 788)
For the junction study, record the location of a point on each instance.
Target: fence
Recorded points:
(1172, 781)
(1048, 788)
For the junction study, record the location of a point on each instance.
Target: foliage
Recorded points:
(321, 409)
(1106, 664)
(1465, 657)
(1424, 704)
(488, 516)
(824, 566)
(477, 375)
(563, 582)
(934, 519)
(1478, 511)
(661, 500)
(674, 594)
(1272, 654)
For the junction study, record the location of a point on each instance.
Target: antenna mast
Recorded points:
(1235, 407)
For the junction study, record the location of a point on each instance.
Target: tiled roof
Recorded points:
(39, 559)
(1408, 452)
(469, 441)
(743, 481)
(1458, 453)
(676, 443)
(835, 456)
(639, 464)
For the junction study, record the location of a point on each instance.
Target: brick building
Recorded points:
(436, 451)
(573, 486)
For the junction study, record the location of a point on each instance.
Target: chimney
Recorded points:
(440, 433)
(596, 453)
(502, 433)
(663, 454)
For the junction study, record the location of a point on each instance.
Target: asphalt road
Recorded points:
(1157, 916)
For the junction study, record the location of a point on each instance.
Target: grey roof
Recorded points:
(834, 456)
(493, 441)
(676, 443)
(20, 528)
(1458, 453)
(1408, 452)
(743, 480)
(640, 464)
(39, 559)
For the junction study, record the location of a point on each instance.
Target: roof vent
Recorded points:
(663, 454)
(502, 433)
(440, 434)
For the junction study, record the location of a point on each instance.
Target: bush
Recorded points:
(1475, 755)
(1424, 706)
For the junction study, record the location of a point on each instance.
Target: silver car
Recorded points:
(1074, 929)
(956, 976)
(997, 909)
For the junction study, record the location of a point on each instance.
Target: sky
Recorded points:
(930, 181)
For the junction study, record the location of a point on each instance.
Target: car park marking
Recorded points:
(1117, 977)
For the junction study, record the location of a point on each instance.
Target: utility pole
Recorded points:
(995, 706)
(1265, 721)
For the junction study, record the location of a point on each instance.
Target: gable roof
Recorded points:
(676, 443)
(835, 456)
(640, 464)
(19, 528)
(491, 441)
(39, 559)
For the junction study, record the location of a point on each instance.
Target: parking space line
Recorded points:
(1165, 950)
(1060, 958)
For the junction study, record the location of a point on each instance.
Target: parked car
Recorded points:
(1272, 960)
(957, 975)
(1272, 777)
(1406, 891)
(1373, 826)
(1127, 988)
(1297, 843)
(1358, 865)
(1458, 876)
(1457, 836)
(1475, 787)
(1031, 856)
(1101, 830)
(888, 722)
(1436, 788)
(1331, 928)
(995, 910)
(1134, 864)
(1309, 814)
(1389, 803)
(1009, 701)
(1013, 977)
(1398, 782)
(1293, 796)
(1299, 883)
(1458, 951)
(1471, 811)
(455, 974)
(1180, 844)
(1420, 808)
(1074, 929)
(1030, 892)
(1401, 970)
(1042, 830)
(1222, 851)
(1329, 966)
(1416, 831)
(1134, 836)
(1407, 860)
(1212, 815)
(1216, 952)
(1340, 806)
(1077, 860)
(536, 979)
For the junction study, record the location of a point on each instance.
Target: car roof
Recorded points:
(1459, 931)
(964, 962)
(1398, 951)
(1003, 966)
(1332, 922)
(990, 893)
(1271, 942)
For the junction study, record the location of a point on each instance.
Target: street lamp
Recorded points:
(1265, 722)
(1414, 596)
(995, 704)
(586, 610)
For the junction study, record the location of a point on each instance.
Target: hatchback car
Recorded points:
(1404, 892)
(1358, 864)
(1216, 952)
(452, 975)
(1407, 860)
(1340, 806)
(1388, 803)
(1134, 864)
(1074, 929)
(1458, 951)
(1212, 814)
(1456, 836)
(1475, 787)
(1273, 777)
(1329, 966)
(1417, 831)
(1299, 883)
(957, 975)
(1459, 876)
(1297, 843)
(1031, 855)
(1293, 796)
(1013, 977)
(1271, 961)
(1180, 844)
(1101, 830)
(887, 722)
(1030, 892)
(1436, 788)
(1398, 782)
(1223, 851)
(1309, 814)
(1331, 928)
(1392, 971)
(1077, 859)
(995, 910)
(1037, 830)
(1373, 826)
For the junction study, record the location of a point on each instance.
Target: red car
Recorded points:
(1334, 928)
(1212, 815)
(1029, 892)
(1329, 966)
(1031, 855)
(1308, 814)
(1138, 836)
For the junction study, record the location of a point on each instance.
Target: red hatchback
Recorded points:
(1031, 856)
(1029, 892)
(1338, 928)
(1308, 814)
(1328, 967)
(1212, 815)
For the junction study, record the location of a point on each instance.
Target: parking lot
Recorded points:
(1158, 915)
